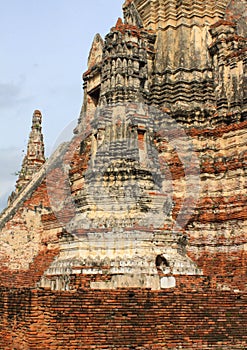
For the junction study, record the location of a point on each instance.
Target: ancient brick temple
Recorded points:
(133, 235)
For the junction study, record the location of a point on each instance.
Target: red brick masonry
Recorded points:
(122, 319)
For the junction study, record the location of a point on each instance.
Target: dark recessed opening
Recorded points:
(131, 294)
(161, 261)
(83, 147)
(95, 94)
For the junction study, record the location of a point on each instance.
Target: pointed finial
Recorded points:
(35, 156)
(119, 23)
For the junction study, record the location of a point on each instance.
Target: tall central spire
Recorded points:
(35, 156)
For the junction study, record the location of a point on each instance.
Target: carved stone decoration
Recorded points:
(127, 56)
(228, 50)
(131, 15)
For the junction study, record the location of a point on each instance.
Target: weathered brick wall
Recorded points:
(122, 319)
(217, 231)
(26, 248)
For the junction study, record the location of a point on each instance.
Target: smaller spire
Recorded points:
(35, 156)
(96, 51)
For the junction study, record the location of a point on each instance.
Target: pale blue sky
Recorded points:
(44, 51)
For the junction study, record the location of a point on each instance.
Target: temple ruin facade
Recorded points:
(139, 222)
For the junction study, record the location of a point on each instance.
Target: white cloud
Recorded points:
(10, 159)
(11, 94)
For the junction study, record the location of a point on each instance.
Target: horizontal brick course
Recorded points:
(122, 319)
